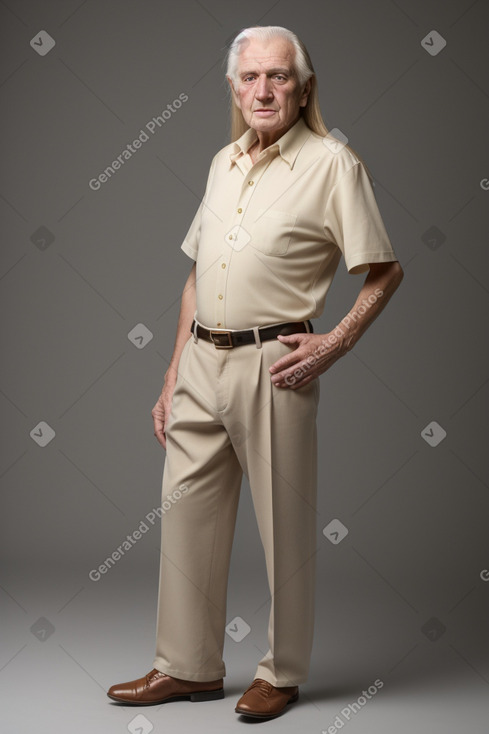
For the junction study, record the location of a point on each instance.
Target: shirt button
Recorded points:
(230, 237)
(250, 183)
(218, 323)
(239, 210)
(223, 265)
(220, 296)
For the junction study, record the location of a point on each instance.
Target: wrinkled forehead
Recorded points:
(258, 56)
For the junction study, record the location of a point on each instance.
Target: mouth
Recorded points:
(264, 112)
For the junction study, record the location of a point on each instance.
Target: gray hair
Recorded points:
(302, 62)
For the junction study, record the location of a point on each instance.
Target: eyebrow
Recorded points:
(274, 70)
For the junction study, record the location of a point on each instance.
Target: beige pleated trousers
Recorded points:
(227, 418)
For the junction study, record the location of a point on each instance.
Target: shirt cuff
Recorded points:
(188, 250)
(359, 263)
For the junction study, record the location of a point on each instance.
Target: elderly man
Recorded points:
(283, 202)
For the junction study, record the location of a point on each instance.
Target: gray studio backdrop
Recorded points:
(90, 282)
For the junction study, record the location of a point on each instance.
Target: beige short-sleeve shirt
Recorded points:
(268, 237)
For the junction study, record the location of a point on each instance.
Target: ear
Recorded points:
(305, 94)
(233, 92)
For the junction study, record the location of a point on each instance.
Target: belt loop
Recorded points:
(256, 333)
(194, 331)
(308, 328)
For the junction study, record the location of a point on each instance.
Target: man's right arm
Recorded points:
(161, 411)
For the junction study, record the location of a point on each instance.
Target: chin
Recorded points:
(267, 123)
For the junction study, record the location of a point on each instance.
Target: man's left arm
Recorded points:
(315, 353)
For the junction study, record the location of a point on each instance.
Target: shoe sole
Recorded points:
(254, 715)
(195, 697)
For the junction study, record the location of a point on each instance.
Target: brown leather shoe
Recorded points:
(157, 687)
(262, 700)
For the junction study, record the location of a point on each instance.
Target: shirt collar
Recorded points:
(288, 146)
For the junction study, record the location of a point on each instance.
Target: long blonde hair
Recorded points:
(311, 113)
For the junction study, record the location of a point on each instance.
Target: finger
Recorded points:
(293, 382)
(158, 423)
(301, 383)
(296, 375)
(163, 434)
(161, 438)
(288, 360)
(291, 358)
(290, 337)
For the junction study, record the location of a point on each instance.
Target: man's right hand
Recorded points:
(161, 413)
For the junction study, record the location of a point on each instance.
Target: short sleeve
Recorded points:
(190, 244)
(353, 221)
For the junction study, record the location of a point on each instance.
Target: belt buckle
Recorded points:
(220, 334)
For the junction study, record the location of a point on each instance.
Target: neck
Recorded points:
(265, 139)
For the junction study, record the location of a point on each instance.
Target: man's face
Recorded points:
(267, 90)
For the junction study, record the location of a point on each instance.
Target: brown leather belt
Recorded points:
(224, 339)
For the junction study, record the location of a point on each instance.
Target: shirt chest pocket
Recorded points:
(272, 231)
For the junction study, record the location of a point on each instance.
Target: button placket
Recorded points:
(251, 179)
(221, 285)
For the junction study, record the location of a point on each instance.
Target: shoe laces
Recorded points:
(153, 674)
(262, 685)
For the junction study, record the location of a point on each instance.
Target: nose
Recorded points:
(263, 89)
